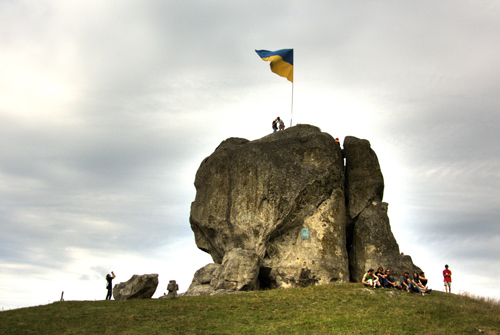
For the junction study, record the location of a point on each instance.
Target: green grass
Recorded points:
(329, 309)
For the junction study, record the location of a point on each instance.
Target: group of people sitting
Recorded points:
(383, 279)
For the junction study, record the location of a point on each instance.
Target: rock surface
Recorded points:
(374, 245)
(281, 212)
(137, 287)
(364, 180)
(172, 289)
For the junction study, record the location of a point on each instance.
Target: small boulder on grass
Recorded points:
(137, 287)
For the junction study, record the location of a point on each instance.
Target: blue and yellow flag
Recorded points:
(281, 61)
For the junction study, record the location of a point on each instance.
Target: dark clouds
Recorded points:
(107, 110)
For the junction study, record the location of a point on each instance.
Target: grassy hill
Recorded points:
(329, 309)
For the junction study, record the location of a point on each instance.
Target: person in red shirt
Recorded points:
(447, 279)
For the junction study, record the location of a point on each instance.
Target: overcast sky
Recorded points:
(107, 109)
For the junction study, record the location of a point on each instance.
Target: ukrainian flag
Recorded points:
(281, 61)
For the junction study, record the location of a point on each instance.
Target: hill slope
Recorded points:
(328, 309)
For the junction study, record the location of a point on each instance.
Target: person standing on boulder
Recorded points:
(109, 284)
(275, 125)
(447, 279)
(281, 124)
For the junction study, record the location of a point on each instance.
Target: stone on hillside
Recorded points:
(172, 289)
(200, 285)
(137, 287)
(259, 195)
(374, 244)
(364, 180)
(279, 212)
(239, 271)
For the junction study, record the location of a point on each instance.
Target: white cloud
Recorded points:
(107, 109)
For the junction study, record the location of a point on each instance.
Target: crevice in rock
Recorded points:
(265, 280)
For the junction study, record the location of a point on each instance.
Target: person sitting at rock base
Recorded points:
(423, 280)
(369, 279)
(382, 278)
(404, 281)
(391, 282)
(416, 285)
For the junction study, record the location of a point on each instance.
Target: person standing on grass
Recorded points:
(109, 284)
(447, 279)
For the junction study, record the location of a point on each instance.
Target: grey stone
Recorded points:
(205, 274)
(137, 287)
(364, 180)
(172, 289)
(253, 199)
(239, 271)
(374, 245)
(258, 195)
(200, 285)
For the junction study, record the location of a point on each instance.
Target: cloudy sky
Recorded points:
(107, 108)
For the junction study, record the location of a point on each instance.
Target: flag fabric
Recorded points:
(281, 61)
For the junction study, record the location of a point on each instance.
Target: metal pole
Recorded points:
(291, 114)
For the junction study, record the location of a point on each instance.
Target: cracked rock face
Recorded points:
(272, 212)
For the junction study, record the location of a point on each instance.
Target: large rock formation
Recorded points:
(137, 287)
(370, 241)
(280, 212)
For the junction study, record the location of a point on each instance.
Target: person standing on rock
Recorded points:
(280, 123)
(447, 279)
(369, 279)
(275, 125)
(109, 284)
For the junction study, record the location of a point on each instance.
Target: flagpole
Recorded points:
(291, 114)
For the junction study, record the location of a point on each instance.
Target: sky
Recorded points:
(107, 109)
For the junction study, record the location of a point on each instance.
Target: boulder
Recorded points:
(259, 195)
(239, 271)
(374, 245)
(364, 180)
(284, 211)
(200, 285)
(172, 289)
(137, 287)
